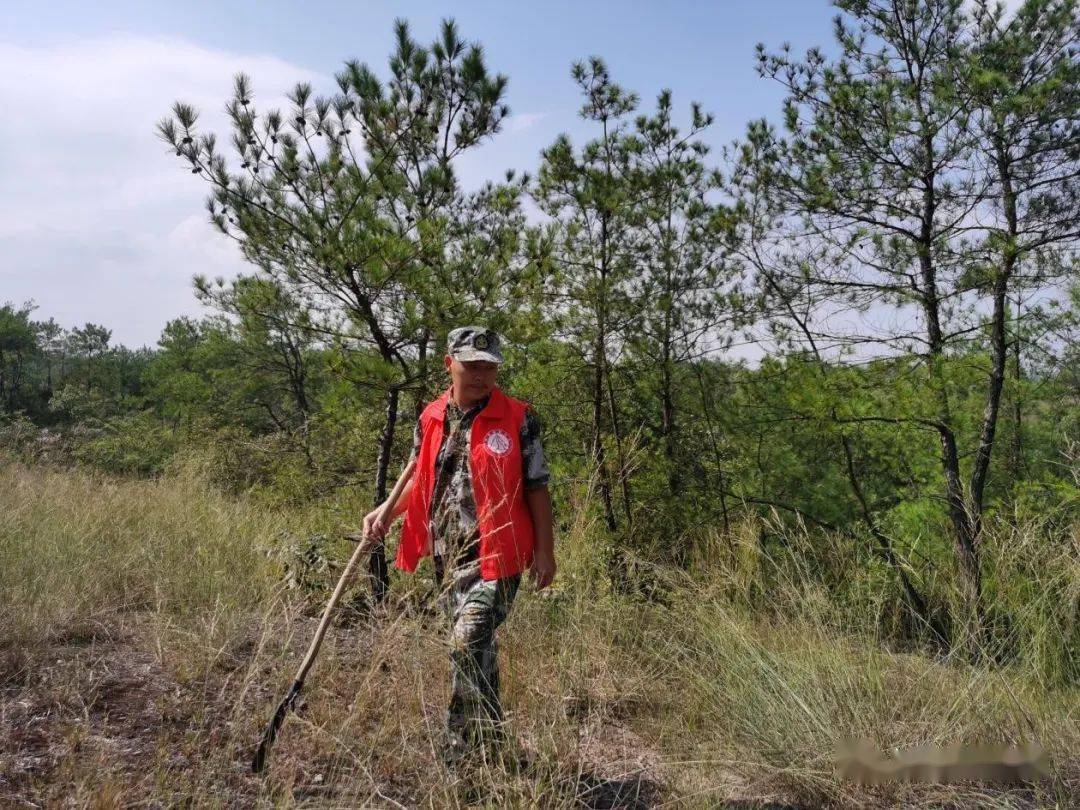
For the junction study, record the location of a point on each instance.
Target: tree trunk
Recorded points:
(667, 410)
(998, 360)
(965, 533)
(599, 456)
(599, 368)
(915, 600)
(3, 381)
(380, 574)
(998, 357)
(294, 363)
(1016, 446)
(624, 472)
(964, 538)
(16, 381)
(999, 346)
(717, 455)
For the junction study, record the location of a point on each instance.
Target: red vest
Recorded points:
(506, 529)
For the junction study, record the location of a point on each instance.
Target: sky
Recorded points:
(100, 222)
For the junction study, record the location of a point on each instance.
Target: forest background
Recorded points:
(898, 464)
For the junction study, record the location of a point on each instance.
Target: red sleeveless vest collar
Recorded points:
(506, 530)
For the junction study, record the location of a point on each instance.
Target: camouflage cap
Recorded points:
(474, 343)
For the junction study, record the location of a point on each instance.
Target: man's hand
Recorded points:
(543, 566)
(543, 569)
(374, 529)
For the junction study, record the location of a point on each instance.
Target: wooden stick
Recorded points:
(364, 546)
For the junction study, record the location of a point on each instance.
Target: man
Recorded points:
(478, 502)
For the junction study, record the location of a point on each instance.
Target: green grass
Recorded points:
(148, 624)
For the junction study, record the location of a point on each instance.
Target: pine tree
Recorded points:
(892, 158)
(684, 280)
(591, 194)
(1024, 80)
(351, 204)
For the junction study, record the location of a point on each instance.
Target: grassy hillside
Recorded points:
(147, 629)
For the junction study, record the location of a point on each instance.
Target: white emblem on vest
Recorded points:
(497, 442)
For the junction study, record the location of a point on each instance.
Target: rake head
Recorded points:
(259, 761)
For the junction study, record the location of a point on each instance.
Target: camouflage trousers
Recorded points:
(475, 608)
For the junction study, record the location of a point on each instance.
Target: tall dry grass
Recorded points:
(77, 548)
(734, 683)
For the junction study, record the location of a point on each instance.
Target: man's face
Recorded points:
(472, 379)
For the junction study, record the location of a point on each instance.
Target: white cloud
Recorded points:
(98, 220)
(524, 121)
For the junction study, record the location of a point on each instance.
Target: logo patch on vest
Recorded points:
(497, 442)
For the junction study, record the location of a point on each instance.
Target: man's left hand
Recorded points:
(543, 569)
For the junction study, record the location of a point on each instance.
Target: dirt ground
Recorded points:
(119, 714)
(105, 716)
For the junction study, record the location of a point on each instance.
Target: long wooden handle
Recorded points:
(361, 548)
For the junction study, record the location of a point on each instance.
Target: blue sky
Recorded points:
(98, 222)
